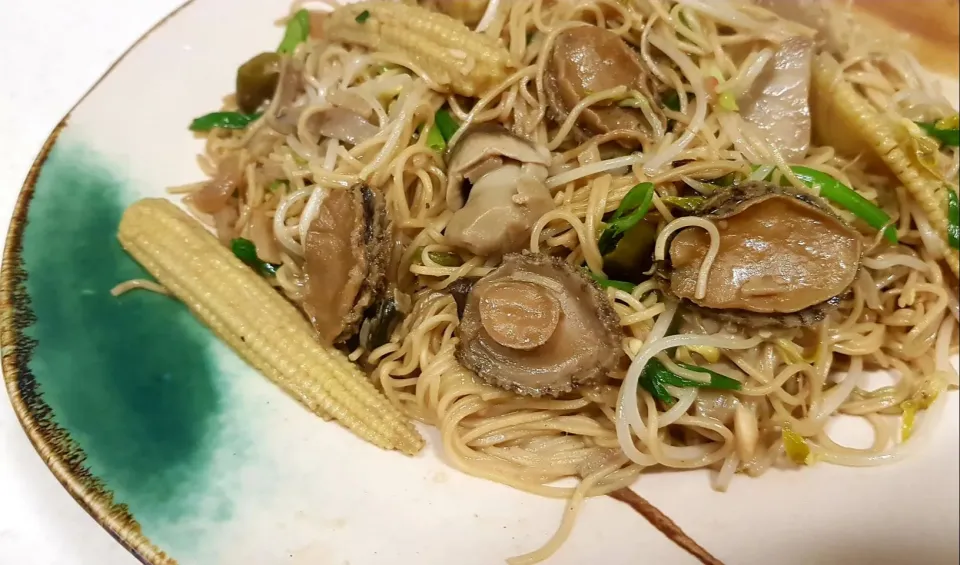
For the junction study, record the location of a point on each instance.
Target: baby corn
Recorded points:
(845, 120)
(447, 51)
(257, 322)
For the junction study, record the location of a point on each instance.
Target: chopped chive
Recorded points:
(223, 120)
(655, 377)
(610, 283)
(943, 131)
(632, 209)
(435, 140)
(246, 251)
(363, 16)
(847, 198)
(446, 124)
(297, 31)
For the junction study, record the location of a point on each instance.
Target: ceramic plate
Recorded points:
(189, 456)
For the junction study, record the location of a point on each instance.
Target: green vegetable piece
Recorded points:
(381, 325)
(257, 81)
(655, 378)
(278, 184)
(909, 408)
(633, 254)
(672, 100)
(848, 198)
(796, 447)
(609, 283)
(688, 204)
(298, 30)
(362, 16)
(446, 124)
(442, 258)
(632, 209)
(246, 251)
(717, 381)
(726, 180)
(435, 140)
(953, 219)
(945, 135)
(728, 102)
(223, 120)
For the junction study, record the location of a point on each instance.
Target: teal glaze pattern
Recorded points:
(129, 378)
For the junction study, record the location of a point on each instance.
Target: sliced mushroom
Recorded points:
(784, 259)
(350, 100)
(814, 14)
(478, 148)
(590, 59)
(341, 124)
(537, 326)
(507, 195)
(290, 87)
(778, 103)
(216, 193)
(345, 257)
(261, 234)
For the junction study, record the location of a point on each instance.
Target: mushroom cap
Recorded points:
(345, 260)
(482, 143)
(537, 326)
(785, 258)
(588, 59)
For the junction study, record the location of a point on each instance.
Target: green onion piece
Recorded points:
(672, 100)
(278, 184)
(223, 120)
(796, 447)
(686, 203)
(632, 209)
(953, 219)
(717, 380)
(728, 102)
(363, 16)
(609, 283)
(442, 258)
(726, 180)
(246, 251)
(909, 408)
(942, 132)
(950, 122)
(846, 197)
(435, 140)
(655, 378)
(632, 256)
(639, 197)
(446, 124)
(298, 30)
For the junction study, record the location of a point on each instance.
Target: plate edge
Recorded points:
(52, 443)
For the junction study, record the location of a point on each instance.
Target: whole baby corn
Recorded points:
(847, 121)
(447, 51)
(257, 322)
